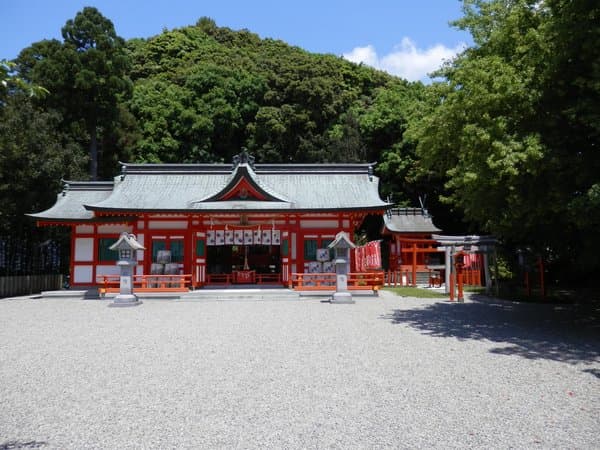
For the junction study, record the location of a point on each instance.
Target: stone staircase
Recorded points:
(240, 294)
(210, 294)
(206, 294)
(423, 278)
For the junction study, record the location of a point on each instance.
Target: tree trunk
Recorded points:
(93, 153)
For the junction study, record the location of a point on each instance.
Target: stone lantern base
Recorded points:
(342, 297)
(123, 300)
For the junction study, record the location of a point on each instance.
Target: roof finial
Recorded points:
(243, 158)
(422, 200)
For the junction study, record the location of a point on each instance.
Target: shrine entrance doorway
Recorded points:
(243, 264)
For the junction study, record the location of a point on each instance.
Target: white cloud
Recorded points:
(366, 55)
(406, 60)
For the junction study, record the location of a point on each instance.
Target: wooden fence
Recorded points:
(29, 284)
(326, 281)
(146, 283)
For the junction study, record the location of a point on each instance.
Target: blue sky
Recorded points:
(408, 38)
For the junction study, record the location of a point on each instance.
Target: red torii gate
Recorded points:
(461, 245)
(415, 250)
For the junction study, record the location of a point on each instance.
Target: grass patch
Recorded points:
(415, 292)
(475, 289)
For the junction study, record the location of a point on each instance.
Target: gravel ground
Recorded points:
(386, 372)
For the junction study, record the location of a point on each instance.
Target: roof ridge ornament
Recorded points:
(243, 158)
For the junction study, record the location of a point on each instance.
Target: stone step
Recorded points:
(210, 294)
(232, 294)
(70, 293)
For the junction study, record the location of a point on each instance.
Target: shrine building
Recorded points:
(412, 249)
(219, 223)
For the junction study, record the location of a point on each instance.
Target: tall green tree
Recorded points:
(34, 156)
(233, 89)
(383, 123)
(570, 123)
(513, 129)
(100, 77)
(86, 75)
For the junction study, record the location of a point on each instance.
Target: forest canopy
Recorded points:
(506, 143)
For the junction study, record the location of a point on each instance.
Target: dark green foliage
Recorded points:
(195, 94)
(86, 77)
(514, 130)
(203, 92)
(10, 83)
(34, 156)
(570, 127)
(509, 140)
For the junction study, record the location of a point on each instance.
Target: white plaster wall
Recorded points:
(168, 225)
(84, 249)
(82, 274)
(319, 224)
(107, 270)
(84, 229)
(140, 254)
(114, 228)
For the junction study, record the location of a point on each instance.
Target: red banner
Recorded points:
(367, 257)
(373, 255)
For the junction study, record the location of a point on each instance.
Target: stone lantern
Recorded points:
(127, 246)
(342, 245)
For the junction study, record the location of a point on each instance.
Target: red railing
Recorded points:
(232, 278)
(397, 278)
(326, 281)
(434, 278)
(147, 283)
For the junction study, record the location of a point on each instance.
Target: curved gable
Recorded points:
(244, 186)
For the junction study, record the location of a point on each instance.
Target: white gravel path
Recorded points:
(386, 372)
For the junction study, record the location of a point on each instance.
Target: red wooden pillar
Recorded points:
(541, 269)
(459, 282)
(199, 260)
(414, 265)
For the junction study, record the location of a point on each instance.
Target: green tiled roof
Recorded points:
(196, 188)
(408, 220)
(70, 202)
